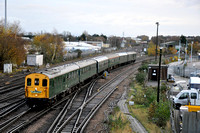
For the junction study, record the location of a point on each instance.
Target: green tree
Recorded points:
(183, 39)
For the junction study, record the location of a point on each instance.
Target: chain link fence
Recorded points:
(188, 70)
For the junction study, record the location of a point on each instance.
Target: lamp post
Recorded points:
(5, 14)
(191, 50)
(158, 91)
(185, 52)
(157, 23)
(179, 53)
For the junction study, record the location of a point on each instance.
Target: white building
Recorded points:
(34, 60)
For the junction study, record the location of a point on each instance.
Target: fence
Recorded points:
(188, 70)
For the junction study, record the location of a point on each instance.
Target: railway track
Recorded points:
(12, 95)
(76, 103)
(11, 87)
(85, 110)
(76, 120)
(28, 116)
(7, 109)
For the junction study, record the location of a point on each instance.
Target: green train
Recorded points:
(49, 84)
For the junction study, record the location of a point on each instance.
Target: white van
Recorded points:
(194, 83)
(186, 96)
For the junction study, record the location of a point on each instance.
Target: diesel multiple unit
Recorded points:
(48, 84)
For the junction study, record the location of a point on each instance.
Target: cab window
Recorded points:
(36, 81)
(28, 82)
(44, 82)
(184, 96)
(193, 95)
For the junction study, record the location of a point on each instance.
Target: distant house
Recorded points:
(168, 44)
(137, 40)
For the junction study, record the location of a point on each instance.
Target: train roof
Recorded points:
(100, 58)
(60, 70)
(131, 52)
(122, 54)
(110, 56)
(84, 63)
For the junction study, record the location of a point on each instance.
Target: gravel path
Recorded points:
(135, 124)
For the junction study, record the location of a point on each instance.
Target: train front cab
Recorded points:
(36, 87)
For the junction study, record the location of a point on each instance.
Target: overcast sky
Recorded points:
(109, 17)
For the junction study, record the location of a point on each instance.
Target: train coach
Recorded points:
(48, 84)
(51, 83)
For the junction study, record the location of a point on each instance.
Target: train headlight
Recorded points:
(36, 95)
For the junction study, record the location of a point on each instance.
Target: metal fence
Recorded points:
(187, 71)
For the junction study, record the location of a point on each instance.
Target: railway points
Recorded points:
(31, 120)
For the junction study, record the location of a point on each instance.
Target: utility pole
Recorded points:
(185, 52)
(179, 56)
(5, 14)
(158, 91)
(157, 23)
(191, 50)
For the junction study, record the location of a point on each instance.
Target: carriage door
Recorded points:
(154, 74)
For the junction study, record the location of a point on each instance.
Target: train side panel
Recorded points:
(131, 56)
(123, 58)
(63, 83)
(113, 60)
(102, 63)
(88, 68)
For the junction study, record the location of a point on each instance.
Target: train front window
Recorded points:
(44, 82)
(36, 81)
(28, 82)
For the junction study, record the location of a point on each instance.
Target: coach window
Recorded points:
(36, 81)
(28, 82)
(44, 82)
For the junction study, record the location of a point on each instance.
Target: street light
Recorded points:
(158, 91)
(157, 23)
(191, 50)
(5, 14)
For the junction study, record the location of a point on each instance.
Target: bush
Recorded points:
(139, 97)
(159, 113)
(140, 77)
(150, 96)
(143, 68)
(152, 109)
(163, 88)
(117, 122)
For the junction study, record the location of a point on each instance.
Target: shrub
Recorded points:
(159, 113)
(117, 122)
(139, 97)
(140, 77)
(151, 112)
(150, 96)
(163, 88)
(162, 114)
(143, 68)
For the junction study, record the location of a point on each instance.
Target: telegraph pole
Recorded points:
(179, 52)
(158, 91)
(157, 23)
(191, 50)
(5, 14)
